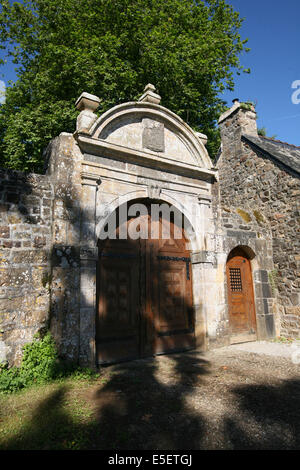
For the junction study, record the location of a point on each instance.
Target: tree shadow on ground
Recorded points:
(47, 424)
(273, 409)
(155, 404)
(144, 406)
(134, 409)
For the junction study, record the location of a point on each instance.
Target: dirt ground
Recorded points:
(227, 398)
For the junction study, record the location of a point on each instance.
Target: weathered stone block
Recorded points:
(4, 231)
(65, 278)
(30, 257)
(4, 257)
(153, 135)
(266, 290)
(292, 310)
(15, 277)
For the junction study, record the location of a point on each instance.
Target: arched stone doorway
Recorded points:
(241, 304)
(144, 288)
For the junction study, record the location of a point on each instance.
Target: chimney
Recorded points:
(238, 120)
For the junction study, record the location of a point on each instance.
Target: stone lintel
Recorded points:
(90, 179)
(237, 105)
(106, 149)
(200, 257)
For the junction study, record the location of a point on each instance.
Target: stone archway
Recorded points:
(141, 150)
(144, 290)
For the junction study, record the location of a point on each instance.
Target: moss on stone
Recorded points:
(273, 280)
(259, 217)
(47, 279)
(245, 216)
(248, 105)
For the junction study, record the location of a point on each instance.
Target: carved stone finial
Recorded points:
(87, 104)
(149, 95)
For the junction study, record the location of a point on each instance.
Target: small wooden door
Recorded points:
(241, 299)
(144, 296)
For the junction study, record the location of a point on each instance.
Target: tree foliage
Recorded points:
(112, 48)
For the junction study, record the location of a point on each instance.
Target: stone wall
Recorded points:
(261, 197)
(25, 249)
(64, 171)
(40, 238)
(235, 227)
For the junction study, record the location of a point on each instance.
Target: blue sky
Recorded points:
(273, 29)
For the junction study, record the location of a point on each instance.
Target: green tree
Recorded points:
(112, 48)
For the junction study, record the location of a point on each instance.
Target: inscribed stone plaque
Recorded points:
(153, 135)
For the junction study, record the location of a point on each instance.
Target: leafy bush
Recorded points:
(40, 364)
(40, 360)
(10, 380)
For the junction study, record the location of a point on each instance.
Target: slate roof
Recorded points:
(287, 154)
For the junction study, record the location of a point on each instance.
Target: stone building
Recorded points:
(230, 274)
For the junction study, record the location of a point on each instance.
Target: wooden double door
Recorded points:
(144, 294)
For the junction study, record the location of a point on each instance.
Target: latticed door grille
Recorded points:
(235, 280)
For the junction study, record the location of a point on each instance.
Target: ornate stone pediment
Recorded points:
(149, 130)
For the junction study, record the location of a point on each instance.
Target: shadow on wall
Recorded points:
(25, 240)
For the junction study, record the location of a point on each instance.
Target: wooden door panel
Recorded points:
(118, 321)
(172, 295)
(116, 309)
(172, 308)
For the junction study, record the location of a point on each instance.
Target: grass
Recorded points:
(126, 406)
(54, 416)
(283, 339)
(169, 402)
